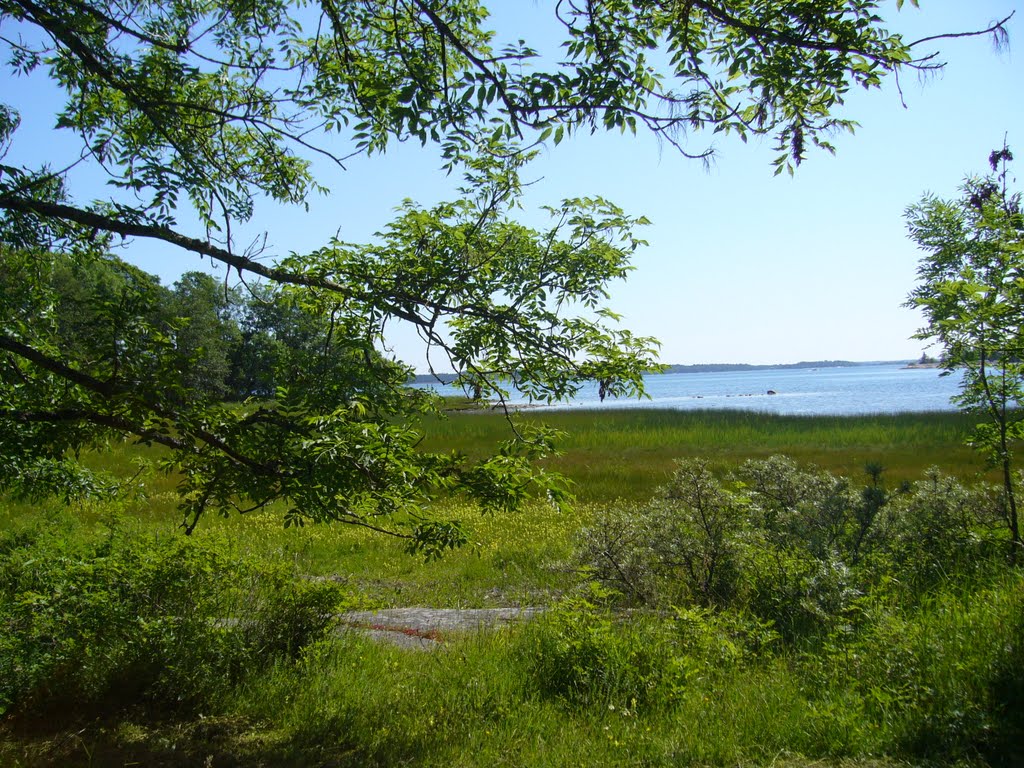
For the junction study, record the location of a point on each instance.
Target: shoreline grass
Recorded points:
(627, 453)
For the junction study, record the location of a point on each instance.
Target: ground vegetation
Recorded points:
(771, 611)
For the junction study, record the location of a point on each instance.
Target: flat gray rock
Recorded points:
(425, 628)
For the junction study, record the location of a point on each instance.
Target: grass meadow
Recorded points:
(930, 678)
(612, 454)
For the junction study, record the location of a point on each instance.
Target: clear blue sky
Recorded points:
(742, 266)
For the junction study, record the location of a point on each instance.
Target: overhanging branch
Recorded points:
(100, 221)
(109, 391)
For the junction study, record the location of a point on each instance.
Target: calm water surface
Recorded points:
(815, 391)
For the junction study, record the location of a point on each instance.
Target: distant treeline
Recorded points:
(430, 378)
(447, 378)
(726, 367)
(211, 341)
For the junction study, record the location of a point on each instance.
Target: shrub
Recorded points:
(128, 617)
(721, 640)
(682, 546)
(580, 654)
(698, 525)
(798, 595)
(614, 550)
(943, 529)
(793, 546)
(807, 509)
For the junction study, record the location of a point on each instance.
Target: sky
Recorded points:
(742, 266)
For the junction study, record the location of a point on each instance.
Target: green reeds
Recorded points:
(627, 453)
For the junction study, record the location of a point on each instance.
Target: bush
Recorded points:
(808, 510)
(683, 546)
(127, 618)
(582, 655)
(792, 546)
(943, 529)
(615, 551)
(799, 596)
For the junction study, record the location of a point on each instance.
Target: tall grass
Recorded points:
(625, 454)
(521, 558)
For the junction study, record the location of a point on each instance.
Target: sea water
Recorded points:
(859, 389)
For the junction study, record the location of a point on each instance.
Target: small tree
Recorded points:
(971, 289)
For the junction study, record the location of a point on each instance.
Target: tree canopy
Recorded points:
(195, 111)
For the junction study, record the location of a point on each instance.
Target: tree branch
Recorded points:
(109, 391)
(100, 221)
(998, 26)
(118, 423)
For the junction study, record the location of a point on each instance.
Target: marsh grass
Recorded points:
(611, 454)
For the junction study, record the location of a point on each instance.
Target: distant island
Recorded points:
(926, 361)
(434, 378)
(727, 367)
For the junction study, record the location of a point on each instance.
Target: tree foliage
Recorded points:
(195, 111)
(971, 290)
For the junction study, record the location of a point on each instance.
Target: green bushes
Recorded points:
(942, 681)
(792, 546)
(894, 613)
(582, 655)
(943, 529)
(123, 618)
(681, 546)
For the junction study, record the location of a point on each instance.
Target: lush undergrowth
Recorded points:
(745, 614)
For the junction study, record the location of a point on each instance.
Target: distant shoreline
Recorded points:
(447, 378)
(731, 367)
